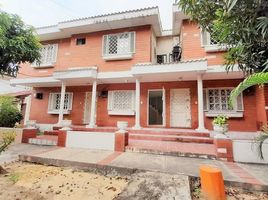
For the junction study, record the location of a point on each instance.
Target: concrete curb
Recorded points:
(122, 171)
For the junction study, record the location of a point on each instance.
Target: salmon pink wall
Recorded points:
(39, 107)
(90, 54)
(248, 122)
(191, 45)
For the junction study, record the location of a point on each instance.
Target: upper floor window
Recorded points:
(48, 56)
(216, 101)
(80, 41)
(121, 102)
(119, 46)
(209, 43)
(54, 103)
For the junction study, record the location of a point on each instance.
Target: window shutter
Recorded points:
(70, 101)
(132, 41)
(133, 105)
(105, 44)
(110, 100)
(54, 53)
(239, 103)
(50, 102)
(205, 101)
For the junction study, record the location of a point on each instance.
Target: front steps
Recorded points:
(185, 143)
(46, 140)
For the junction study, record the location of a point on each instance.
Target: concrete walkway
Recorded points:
(247, 175)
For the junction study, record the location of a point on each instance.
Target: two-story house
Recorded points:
(123, 66)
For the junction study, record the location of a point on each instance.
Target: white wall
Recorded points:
(90, 140)
(165, 44)
(246, 151)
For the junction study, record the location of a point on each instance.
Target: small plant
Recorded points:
(261, 139)
(5, 140)
(220, 120)
(14, 177)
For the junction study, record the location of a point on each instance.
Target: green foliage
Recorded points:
(9, 113)
(6, 139)
(220, 120)
(18, 44)
(254, 79)
(241, 25)
(261, 138)
(14, 177)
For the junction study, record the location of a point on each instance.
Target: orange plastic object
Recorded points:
(212, 184)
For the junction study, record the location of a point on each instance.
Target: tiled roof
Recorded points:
(96, 16)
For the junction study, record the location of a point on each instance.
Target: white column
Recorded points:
(137, 102)
(28, 101)
(62, 97)
(92, 122)
(201, 123)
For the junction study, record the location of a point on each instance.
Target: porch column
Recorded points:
(137, 115)
(92, 122)
(201, 123)
(62, 97)
(28, 100)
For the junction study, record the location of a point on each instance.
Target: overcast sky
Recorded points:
(47, 12)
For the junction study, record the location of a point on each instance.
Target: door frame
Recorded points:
(164, 108)
(171, 107)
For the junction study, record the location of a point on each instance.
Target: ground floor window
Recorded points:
(121, 102)
(216, 101)
(54, 103)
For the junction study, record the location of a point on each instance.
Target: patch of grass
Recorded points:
(40, 133)
(14, 177)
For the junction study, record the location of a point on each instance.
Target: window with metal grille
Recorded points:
(121, 102)
(207, 40)
(54, 103)
(48, 56)
(216, 100)
(121, 44)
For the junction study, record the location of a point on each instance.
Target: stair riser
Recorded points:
(188, 140)
(168, 133)
(180, 154)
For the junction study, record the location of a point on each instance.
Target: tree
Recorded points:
(243, 27)
(18, 44)
(9, 112)
(240, 25)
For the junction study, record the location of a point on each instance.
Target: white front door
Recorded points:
(87, 108)
(180, 108)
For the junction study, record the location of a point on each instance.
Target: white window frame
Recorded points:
(208, 46)
(235, 113)
(51, 103)
(48, 63)
(123, 56)
(115, 111)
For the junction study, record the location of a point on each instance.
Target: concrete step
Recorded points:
(174, 138)
(195, 150)
(45, 142)
(183, 132)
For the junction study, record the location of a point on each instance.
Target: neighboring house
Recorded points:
(124, 67)
(19, 92)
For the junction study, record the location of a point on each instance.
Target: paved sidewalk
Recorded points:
(232, 172)
(12, 153)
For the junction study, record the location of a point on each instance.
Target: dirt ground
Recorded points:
(232, 193)
(38, 182)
